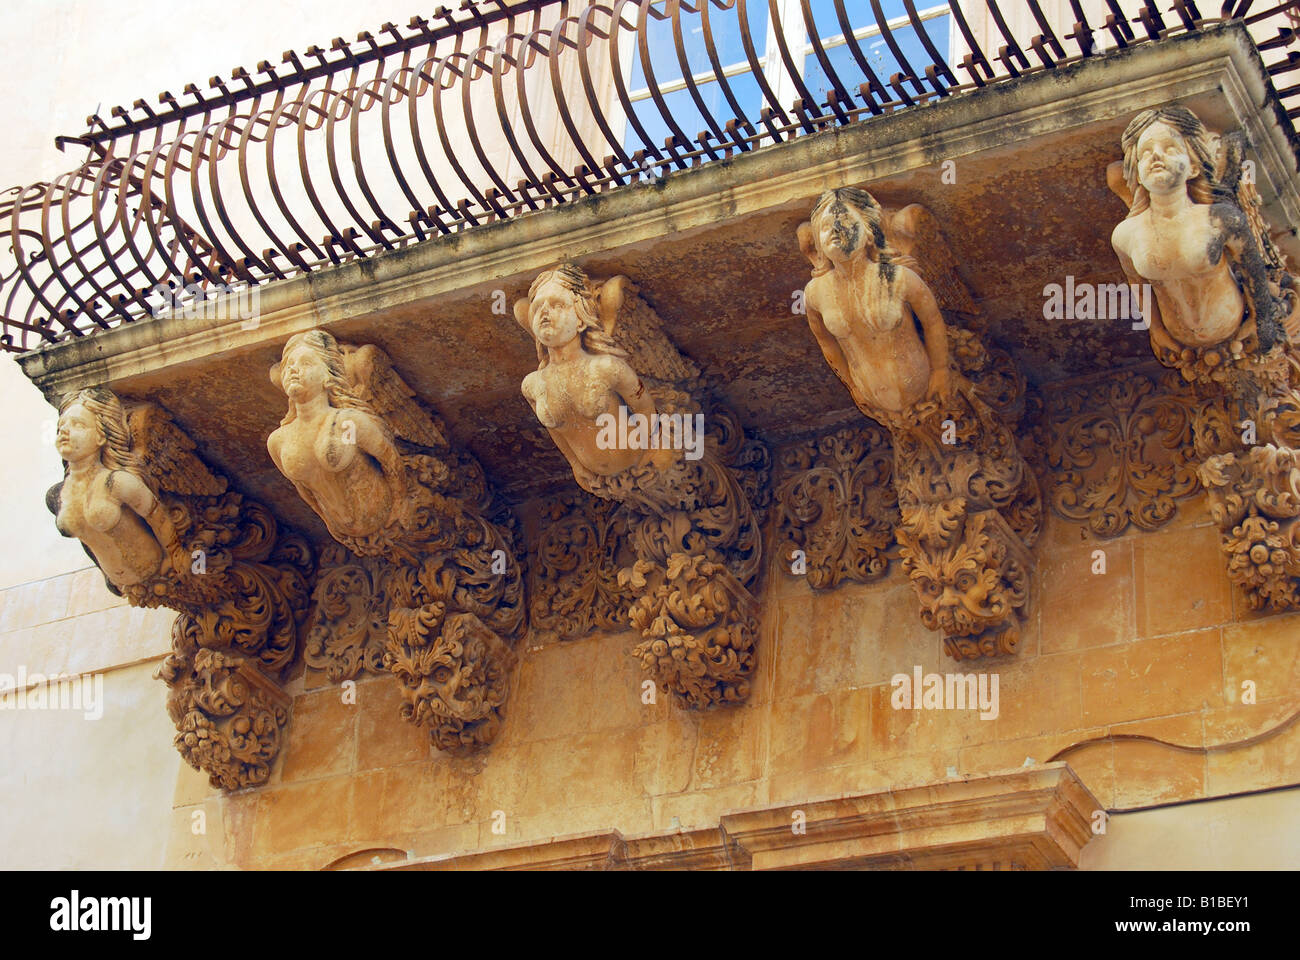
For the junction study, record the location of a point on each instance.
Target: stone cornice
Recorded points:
(1034, 818)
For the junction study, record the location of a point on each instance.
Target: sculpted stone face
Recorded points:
(840, 231)
(302, 373)
(1163, 161)
(78, 435)
(553, 315)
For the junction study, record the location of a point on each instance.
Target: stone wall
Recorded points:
(1156, 647)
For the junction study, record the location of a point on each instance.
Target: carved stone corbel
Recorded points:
(969, 504)
(621, 404)
(1224, 316)
(425, 583)
(166, 532)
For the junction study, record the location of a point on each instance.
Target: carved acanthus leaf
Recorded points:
(581, 544)
(1121, 452)
(837, 504)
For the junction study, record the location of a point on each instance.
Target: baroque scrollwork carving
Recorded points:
(969, 505)
(581, 544)
(1121, 452)
(619, 401)
(167, 532)
(230, 719)
(426, 567)
(1224, 316)
(837, 506)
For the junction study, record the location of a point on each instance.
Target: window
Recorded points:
(666, 66)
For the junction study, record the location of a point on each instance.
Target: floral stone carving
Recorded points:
(617, 399)
(578, 550)
(427, 587)
(1223, 316)
(1121, 452)
(969, 505)
(167, 532)
(837, 506)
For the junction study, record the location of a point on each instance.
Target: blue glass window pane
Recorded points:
(688, 117)
(881, 59)
(859, 13)
(724, 26)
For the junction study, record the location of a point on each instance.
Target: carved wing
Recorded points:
(1234, 185)
(634, 327)
(1229, 173)
(914, 233)
(375, 381)
(167, 454)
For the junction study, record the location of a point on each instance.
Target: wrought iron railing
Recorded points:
(490, 111)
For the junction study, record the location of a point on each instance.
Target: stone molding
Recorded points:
(1033, 818)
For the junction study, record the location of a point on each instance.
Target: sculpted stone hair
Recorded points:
(337, 389)
(591, 332)
(104, 405)
(1195, 136)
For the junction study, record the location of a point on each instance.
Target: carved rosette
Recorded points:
(836, 503)
(1121, 452)
(573, 577)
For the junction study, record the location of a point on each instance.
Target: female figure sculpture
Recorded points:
(860, 306)
(104, 500)
(1187, 235)
(338, 452)
(582, 373)
(969, 505)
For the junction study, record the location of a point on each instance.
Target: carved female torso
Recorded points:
(577, 394)
(108, 510)
(571, 394)
(341, 458)
(1182, 257)
(871, 320)
(91, 509)
(320, 454)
